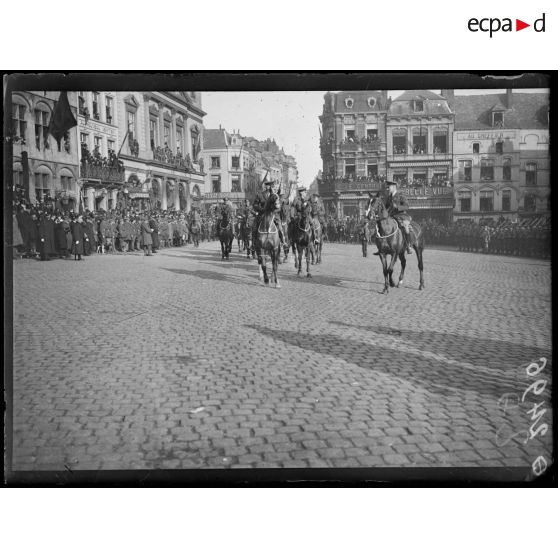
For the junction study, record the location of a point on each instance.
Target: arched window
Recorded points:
(42, 118)
(19, 125)
(18, 174)
(43, 183)
(66, 180)
(530, 203)
(196, 192)
(399, 141)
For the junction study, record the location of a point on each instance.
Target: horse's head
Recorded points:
(273, 203)
(376, 208)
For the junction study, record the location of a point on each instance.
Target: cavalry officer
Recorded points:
(258, 206)
(318, 210)
(397, 207)
(225, 210)
(302, 207)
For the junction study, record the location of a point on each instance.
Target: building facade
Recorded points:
(353, 149)
(237, 165)
(47, 171)
(501, 156)
(161, 144)
(419, 137)
(101, 179)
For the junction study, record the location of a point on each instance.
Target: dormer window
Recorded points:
(349, 102)
(418, 106)
(498, 119)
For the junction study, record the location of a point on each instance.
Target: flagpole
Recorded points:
(125, 136)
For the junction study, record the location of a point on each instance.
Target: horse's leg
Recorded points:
(392, 263)
(418, 250)
(299, 258)
(403, 259)
(275, 261)
(308, 252)
(385, 270)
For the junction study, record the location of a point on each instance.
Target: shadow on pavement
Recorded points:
(484, 352)
(428, 373)
(212, 275)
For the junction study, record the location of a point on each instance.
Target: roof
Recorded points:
(418, 94)
(360, 101)
(528, 111)
(434, 104)
(214, 139)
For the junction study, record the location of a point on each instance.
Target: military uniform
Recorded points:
(397, 207)
(258, 207)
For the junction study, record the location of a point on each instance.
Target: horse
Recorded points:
(300, 235)
(268, 240)
(319, 239)
(195, 230)
(246, 226)
(390, 240)
(238, 234)
(225, 234)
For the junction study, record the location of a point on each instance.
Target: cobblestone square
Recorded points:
(182, 361)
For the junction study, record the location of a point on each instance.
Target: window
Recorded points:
(487, 169)
(464, 199)
(19, 125)
(419, 141)
(530, 203)
(498, 119)
(81, 103)
(131, 122)
(372, 134)
(440, 141)
(499, 147)
(372, 170)
(400, 178)
(418, 106)
(18, 175)
(419, 177)
(349, 103)
(66, 182)
(96, 105)
(166, 135)
(476, 147)
(235, 184)
(98, 140)
(399, 141)
(371, 102)
(215, 162)
(465, 168)
(235, 162)
(439, 178)
(65, 143)
(194, 136)
(41, 129)
(506, 171)
(84, 140)
(487, 201)
(216, 183)
(108, 110)
(41, 185)
(110, 145)
(350, 168)
(506, 200)
(531, 174)
(180, 140)
(350, 134)
(153, 133)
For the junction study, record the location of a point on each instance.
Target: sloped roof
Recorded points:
(360, 101)
(412, 94)
(214, 139)
(434, 104)
(528, 111)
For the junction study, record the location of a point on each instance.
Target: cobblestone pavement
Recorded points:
(184, 361)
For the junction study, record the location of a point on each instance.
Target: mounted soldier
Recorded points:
(318, 210)
(302, 207)
(225, 214)
(268, 187)
(397, 207)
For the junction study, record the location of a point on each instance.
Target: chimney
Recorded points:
(509, 98)
(448, 94)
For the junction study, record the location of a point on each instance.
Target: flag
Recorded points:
(62, 118)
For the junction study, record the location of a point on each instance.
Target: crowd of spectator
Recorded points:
(95, 159)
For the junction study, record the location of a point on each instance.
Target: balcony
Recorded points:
(365, 144)
(220, 195)
(175, 160)
(102, 173)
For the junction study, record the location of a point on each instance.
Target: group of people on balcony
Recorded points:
(417, 150)
(166, 155)
(95, 158)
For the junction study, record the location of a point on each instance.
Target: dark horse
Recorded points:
(268, 241)
(195, 229)
(226, 236)
(319, 240)
(390, 240)
(300, 236)
(246, 229)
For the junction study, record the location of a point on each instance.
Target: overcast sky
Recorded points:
(289, 117)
